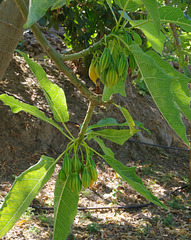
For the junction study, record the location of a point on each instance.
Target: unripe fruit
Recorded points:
(97, 69)
(103, 76)
(132, 63)
(91, 183)
(76, 184)
(62, 176)
(112, 77)
(67, 164)
(105, 59)
(91, 162)
(76, 164)
(122, 65)
(137, 38)
(93, 173)
(85, 177)
(92, 73)
(127, 38)
(125, 72)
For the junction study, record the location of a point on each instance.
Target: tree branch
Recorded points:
(84, 52)
(57, 58)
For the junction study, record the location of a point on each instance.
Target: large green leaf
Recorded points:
(156, 41)
(132, 5)
(54, 94)
(116, 136)
(160, 85)
(65, 209)
(180, 88)
(176, 16)
(151, 6)
(23, 191)
(128, 174)
(17, 106)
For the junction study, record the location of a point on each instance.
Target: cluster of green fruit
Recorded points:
(77, 173)
(115, 60)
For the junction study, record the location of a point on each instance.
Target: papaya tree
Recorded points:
(134, 44)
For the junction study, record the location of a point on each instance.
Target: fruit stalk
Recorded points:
(86, 121)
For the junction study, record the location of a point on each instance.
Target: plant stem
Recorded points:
(71, 138)
(82, 156)
(117, 26)
(120, 39)
(84, 52)
(140, 24)
(96, 152)
(68, 131)
(86, 121)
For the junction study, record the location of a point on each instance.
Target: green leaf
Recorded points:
(180, 88)
(116, 136)
(37, 9)
(160, 85)
(111, 122)
(65, 209)
(54, 94)
(23, 191)
(17, 106)
(156, 41)
(118, 88)
(132, 5)
(128, 174)
(128, 118)
(60, 3)
(140, 125)
(176, 16)
(151, 6)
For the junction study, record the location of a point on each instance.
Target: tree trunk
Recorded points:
(11, 30)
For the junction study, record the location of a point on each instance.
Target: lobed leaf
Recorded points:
(65, 209)
(54, 94)
(128, 174)
(23, 191)
(17, 106)
(161, 87)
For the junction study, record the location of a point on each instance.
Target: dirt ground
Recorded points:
(24, 139)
